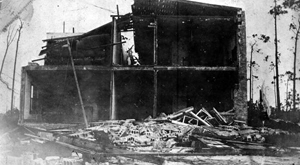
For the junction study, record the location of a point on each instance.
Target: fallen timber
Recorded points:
(186, 132)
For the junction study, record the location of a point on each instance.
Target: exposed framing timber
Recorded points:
(198, 68)
(155, 94)
(113, 61)
(133, 68)
(218, 18)
(62, 38)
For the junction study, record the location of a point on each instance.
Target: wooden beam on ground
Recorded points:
(180, 112)
(197, 117)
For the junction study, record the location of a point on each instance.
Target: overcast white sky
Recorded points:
(43, 16)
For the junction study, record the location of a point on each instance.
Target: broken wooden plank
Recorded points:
(190, 120)
(180, 112)
(197, 117)
(204, 111)
(219, 116)
(179, 123)
(28, 130)
(37, 137)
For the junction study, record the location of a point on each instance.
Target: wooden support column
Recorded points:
(114, 60)
(77, 85)
(155, 42)
(154, 25)
(113, 114)
(155, 94)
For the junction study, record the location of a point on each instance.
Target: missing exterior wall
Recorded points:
(186, 58)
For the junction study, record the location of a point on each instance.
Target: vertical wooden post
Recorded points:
(113, 115)
(77, 85)
(155, 42)
(155, 71)
(155, 94)
(114, 60)
(118, 13)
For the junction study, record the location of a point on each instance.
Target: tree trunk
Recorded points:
(295, 59)
(276, 60)
(15, 63)
(250, 79)
(9, 39)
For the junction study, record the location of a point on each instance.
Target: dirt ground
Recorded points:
(52, 149)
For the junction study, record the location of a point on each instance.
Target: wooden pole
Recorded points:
(77, 85)
(155, 71)
(155, 42)
(113, 97)
(155, 94)
(114, 60)
(118, 13)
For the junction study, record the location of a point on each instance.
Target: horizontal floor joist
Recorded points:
(133, 68)
(189, 16)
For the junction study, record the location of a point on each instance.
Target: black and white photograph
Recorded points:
(149, 82)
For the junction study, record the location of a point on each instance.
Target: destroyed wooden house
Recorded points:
(164, 56)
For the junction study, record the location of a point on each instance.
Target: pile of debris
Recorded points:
(183, 131)
(186, 132)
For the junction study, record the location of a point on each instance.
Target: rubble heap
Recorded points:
(182, 131)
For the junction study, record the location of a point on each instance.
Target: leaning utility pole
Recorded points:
(276, 58)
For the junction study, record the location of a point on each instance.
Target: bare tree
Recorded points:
(15, 63)
(11, 34)
(276, 11)
(295, 28)
(288, 102)
(252, 64)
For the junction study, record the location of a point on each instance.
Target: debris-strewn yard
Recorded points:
(185, 137)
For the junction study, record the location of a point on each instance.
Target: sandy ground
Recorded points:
(52, 149)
